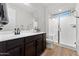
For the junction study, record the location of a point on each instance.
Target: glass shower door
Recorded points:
(68, 30)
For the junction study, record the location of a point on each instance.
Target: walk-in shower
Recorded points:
(63, 26)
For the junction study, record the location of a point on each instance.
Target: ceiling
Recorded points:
(56, 7)
(53, 8)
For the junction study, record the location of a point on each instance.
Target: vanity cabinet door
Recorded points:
(30, 49)
(43, 42)
(39, 46)
(3, 49)
(15, 47)
(14, 52)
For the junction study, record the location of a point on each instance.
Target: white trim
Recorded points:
(66, 46)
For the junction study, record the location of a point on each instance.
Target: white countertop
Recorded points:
(4, 37)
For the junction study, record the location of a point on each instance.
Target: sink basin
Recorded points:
(10, 35)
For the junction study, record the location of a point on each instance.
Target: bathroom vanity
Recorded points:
(27, 44)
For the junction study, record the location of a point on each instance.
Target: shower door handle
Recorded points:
(74, 26)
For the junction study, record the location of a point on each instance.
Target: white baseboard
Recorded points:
(66, 46)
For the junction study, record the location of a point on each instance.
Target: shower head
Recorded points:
(74, 13)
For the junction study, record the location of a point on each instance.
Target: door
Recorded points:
(30, 49)
(43, 41)
(14, 52)
(39, 46)
(68, 30)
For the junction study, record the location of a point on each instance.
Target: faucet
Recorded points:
(17, 31)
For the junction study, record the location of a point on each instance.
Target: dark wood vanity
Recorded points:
(25, 46)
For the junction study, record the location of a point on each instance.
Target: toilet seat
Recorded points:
(49, 40)
(49, 43)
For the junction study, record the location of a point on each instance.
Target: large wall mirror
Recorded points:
(19, 17)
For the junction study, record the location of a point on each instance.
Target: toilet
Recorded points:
(49, 41)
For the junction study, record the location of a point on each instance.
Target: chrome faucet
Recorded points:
(17, 31)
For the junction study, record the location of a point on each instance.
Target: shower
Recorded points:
(64, 25)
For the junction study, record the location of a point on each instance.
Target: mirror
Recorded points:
(19, 17)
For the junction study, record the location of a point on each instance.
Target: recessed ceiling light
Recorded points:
(60, 10)
(28, 4)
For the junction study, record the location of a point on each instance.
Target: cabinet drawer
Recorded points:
(14, 52)
(14, 43)
(31, 38)
(3, 48)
